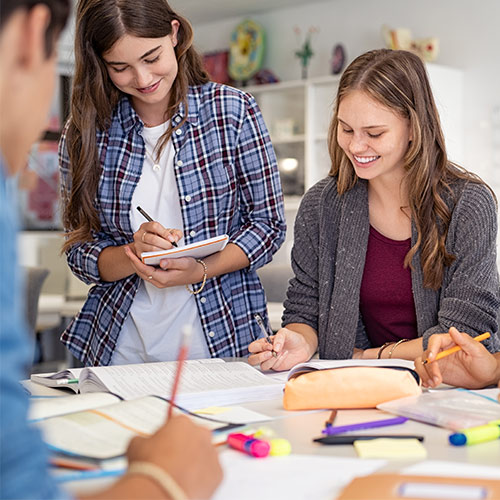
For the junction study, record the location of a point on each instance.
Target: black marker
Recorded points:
(350, 439)
(149, 219)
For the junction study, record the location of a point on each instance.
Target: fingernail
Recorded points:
(435, 380)
(277, 346)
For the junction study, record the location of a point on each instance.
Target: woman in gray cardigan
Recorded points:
(398, 243)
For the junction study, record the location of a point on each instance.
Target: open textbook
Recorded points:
(204, 382)
(326, 364)
(104, 428)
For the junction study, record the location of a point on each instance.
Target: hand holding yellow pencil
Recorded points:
(447, 352)
(471, 366)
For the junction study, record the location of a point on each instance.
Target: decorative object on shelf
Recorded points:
(305, 53)
(338, 59)
(401, 39)
(246, 50)
(216, 64)
(285, 128)
(265, 76)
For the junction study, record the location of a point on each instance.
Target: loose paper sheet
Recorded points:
(294, 477)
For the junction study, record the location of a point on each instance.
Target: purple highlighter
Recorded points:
(364, 425)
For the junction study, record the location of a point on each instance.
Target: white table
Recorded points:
(301, 427)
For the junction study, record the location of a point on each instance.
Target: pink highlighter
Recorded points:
(247, 444)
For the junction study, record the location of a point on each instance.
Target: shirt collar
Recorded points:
(128, 117)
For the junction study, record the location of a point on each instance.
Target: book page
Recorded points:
(322, 364)
(201, 380)
(56, 379)
(51, 407)
(105, 432)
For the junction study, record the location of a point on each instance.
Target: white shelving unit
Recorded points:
(297, 114)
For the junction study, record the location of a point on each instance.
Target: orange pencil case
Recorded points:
(349, 387)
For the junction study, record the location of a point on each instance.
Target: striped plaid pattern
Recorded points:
(228, 182)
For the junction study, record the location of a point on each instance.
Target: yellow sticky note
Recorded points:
(212, 410)
(390, 448)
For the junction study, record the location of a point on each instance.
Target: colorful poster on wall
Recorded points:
(39, 184)
(216, 66)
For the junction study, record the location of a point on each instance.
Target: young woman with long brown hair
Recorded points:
(398, 243)
(148, 128)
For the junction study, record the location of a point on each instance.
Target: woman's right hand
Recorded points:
(152, 236)
(185, 451)
(290, 346)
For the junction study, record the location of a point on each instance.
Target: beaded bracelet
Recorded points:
(205, 271)
(160, 477)
(395, 345)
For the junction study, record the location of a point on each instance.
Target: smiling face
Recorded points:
(374, 138)
(145, 69)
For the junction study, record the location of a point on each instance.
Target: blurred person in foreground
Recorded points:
(178, 461)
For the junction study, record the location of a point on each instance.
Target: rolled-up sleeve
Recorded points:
(82, 258)
(262, 231)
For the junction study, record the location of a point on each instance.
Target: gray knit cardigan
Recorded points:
(328, 256)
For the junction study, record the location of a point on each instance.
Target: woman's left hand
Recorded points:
(173, 272)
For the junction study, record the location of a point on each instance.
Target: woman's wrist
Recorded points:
(309, 336)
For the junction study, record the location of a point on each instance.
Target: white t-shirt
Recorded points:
(152, 330)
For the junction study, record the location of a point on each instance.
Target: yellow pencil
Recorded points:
(451, 350)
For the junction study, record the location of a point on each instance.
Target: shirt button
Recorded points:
(203, 300)
(177, 119)
(211, 335)
(178, 131)
(192, 234)
(187, 198)
(179, 163)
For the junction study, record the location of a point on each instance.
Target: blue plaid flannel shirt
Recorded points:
(228, 183)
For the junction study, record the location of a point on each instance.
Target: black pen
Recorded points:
(264, 331)
(149, 219)
(351, 439)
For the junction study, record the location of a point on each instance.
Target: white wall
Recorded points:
(469, 40)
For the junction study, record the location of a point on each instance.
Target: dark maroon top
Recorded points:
(386, 298)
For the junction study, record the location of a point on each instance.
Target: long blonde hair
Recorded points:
(398, 80)
(99, 25)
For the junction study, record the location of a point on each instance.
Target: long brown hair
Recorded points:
(99, 25)
(398, 80)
